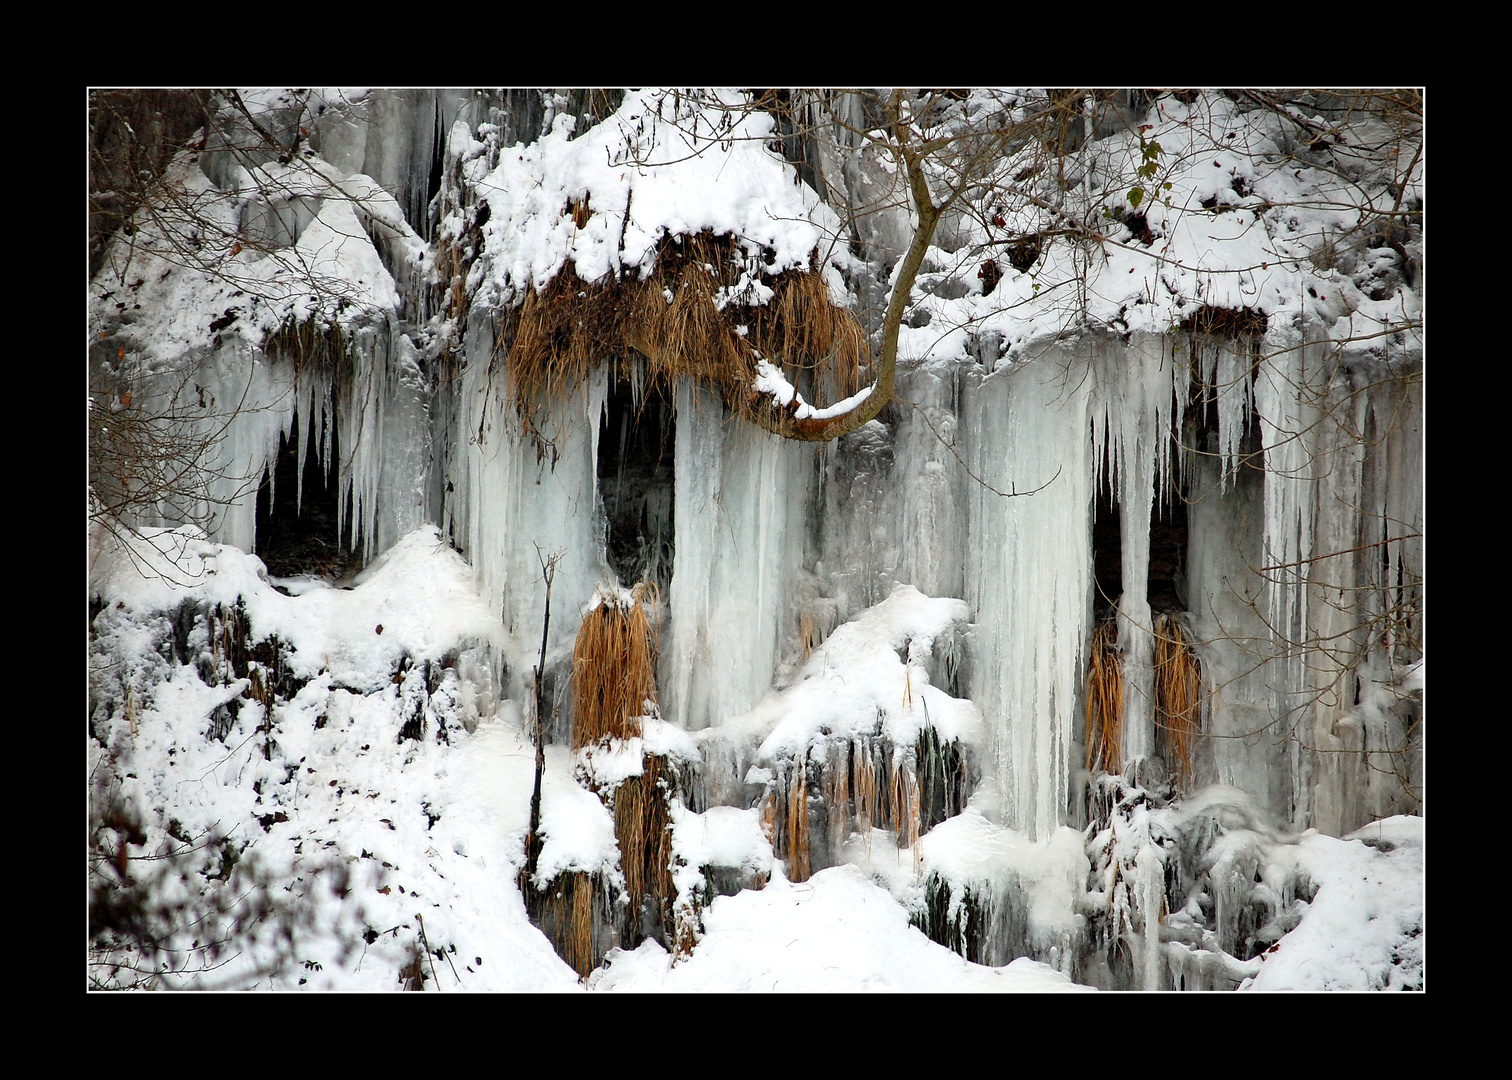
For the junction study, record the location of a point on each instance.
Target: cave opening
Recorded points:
(297, 534)
(1165, 585)
(637, 438)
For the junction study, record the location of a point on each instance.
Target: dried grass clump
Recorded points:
(785, 817)
(564, 911)
(798, 823)
(943, 778)
(1178, 693)
(643, 830)
(685, 319)
(866, 763)
(904, 791)
(1237, 323)
(808, 635)
(308, 342)
(1105, 695)
(614, 667)
(570, 916)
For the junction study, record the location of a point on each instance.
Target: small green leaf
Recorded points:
(1152, 150)
(1136, 196)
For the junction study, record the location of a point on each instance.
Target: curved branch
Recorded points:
(822, 429)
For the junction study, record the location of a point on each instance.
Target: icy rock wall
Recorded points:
(891, 506)
(1336, 511)
(1306, 577)
(369, 406)
(238, 445)
(1343, 552)
(383, 432)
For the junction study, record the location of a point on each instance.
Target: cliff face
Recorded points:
(1193, 418)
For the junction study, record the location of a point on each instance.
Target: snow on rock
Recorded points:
(836, 932)
(1364, 929)
(873, 670)
(968, 851)
(644, 173)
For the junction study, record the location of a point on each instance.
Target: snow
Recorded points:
(620, 169)
(855, 683)
(770, 380)
(445, 832)
(836, 932)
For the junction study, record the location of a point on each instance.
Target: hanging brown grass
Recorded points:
(643, 830)
(570, 915)
(614, 668)
(867, 795)
(685, 319)
(905, 802)
(794, 826)
(1178, 694)
(308, 342)
(1104, 699)
(812, 335)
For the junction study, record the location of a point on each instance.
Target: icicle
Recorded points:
(1232, 377)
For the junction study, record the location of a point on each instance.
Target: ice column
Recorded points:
(738, 519)
(1028, 574)
(526, 496)
(1289, 381)
(384, 436)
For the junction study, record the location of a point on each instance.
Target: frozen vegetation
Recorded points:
(1093, 660)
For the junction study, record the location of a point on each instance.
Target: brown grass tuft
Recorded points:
(1104, 693)
(791, 814)
(614, 668)
(1178, 694)
(837, 794)
(571, 915)
(673, 318)
(905, 802)
(808, 635)
(643, 830)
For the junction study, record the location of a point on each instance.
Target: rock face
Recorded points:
(1243, 472)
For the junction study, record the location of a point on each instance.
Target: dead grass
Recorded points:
(904, 791)
(308, 343)
(614, 668)
(787, 812)
(571, 916)
(674, 318)
(1104, 699)
(797, 822)
(643, 830)
(866, 761)
(867, 783)
(1178, 694)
